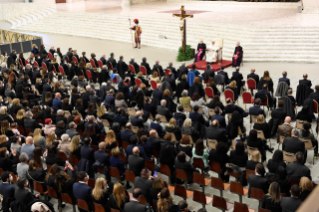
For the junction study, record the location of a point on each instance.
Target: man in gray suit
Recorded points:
(9, 92)
(291, 203)
(134, 205)
(72, 130)
(144, 182)
(135, 162)
(163, 110)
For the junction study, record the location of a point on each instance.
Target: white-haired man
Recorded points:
(103, 59)
(163, 110)
(213, 53)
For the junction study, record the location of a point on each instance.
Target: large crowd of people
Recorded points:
(64, 118)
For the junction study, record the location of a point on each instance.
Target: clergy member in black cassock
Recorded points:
(121, 67)
(238, 55)
(135, 65)
(201, 50)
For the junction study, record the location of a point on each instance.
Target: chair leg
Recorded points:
(221, 193)
(240, 198)
(74, 210)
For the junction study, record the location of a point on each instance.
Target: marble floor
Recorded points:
(258, 14)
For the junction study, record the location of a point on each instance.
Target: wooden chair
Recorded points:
(201, 180)
(131, 111)
(257, 193)
(198, 163)
(281, 140)
(240, 207)
(114, 210)
(62, 156)
(91, 183)
(125, 144)
(37, 186)
(233, 174)
(83, 205)
(163, 119)
(182, 192)
(219, 184)
(181, 174)
(260, 134)
(253, 119)
(283, 195)
(215, 167)
(173, 139)
(220, 203)
(14, 180)
(190, 138)
(129, 176)
(65, 197)
(288, 156)
(98, 207)
(263, 210)
(142, 200)
(149, 164)
(48, 168)
(74, 160)
(165, 170)
(95, 148)
(237, 188)
(21, 130)
(308, 146)
(212, 143)
(114, 172)
(201, 198)
(52, 193)
(249, 172)
(187, 108)
(1, 171)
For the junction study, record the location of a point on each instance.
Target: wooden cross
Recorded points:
(183, 17)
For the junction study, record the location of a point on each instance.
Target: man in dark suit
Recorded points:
(120, 118)
(210, 72)
(7, 190)
(296, 170)
(253, 76)
(30, 123)
(213, 132)
(256, 110)
(109, 99)
(305, 81)
(135, 162)
(315, 95)
(103, 59)
(146, 65)
(93, 98)
(86, 150)
(156, 126)
(69, 54)
(14, 56)
(136, 120)
(262, 93)
(82, 191)
(197, 117)
(9, 92)
(238, 77)
(22, 193)
(57, 103)
(158, 67)
(144, 182)
(127, 133)
(46, 88)
(222, 72)
(219, 118)
(179, 115)
(150, 107)
(284, 78)
(171, 81)
(293, 144)
(231, 107)
(52, 50)
(181, 71)
(258, 180)
(279, 112)
(101, 155)
(134, 205)
(129, 149)
(112, 60)
(157, 94)
(173, 70)
(135, 65)
(163, 110)
(292, 203)
(155, 142)
(122, 67)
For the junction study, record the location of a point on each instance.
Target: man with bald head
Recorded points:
(57, 103)
(284, 78)
(157, 126)
(158, 68)
(305, 80)
(254, 76)
(154, 140)
(135, 162)
(28, 147)
(214, 132)
(137, 120)
(285, 129)
(164, 111)
(103, 59)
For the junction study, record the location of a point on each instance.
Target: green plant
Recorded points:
(188, 55)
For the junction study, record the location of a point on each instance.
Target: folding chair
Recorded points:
(249, 172)
(201, 180)
(221, 204)
(98, 207)
(62, 156)
(74, 160)
(240, 207)
(181, 174)
(65, 197)
(83, 205)
(114, 172)
(182, 192)
(52, 193)
(165, 170)
(257, 193)
(37, 186)
(237, 188)
(219, 184)
(308, 146)
(201, 198)
(247, 98)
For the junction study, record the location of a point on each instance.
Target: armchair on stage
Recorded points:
(219, 42)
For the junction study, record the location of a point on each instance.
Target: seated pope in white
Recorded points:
(212, 52)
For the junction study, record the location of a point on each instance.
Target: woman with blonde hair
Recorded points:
(118, 198)
(306, 187)
(262, 125)
(233, 86)
(75, 146)
(266, 79)
(110, 140)
(38, 139)
(272, 200)
(6, 129)
(254, 159)
(165, 201)
(16, 106)
(100, 194)
(155, 77)
(3, 142)
(172, 127)
(20, 117)
(51, 140)
(157, 186)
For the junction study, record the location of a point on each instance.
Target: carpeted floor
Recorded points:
(201, 65)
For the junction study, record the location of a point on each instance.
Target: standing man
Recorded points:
(238, 55)
(137, 35)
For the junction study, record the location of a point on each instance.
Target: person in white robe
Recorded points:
(212, 52)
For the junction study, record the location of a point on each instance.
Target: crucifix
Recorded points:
(183, 17)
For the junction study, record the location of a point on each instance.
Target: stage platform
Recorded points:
(201, 65)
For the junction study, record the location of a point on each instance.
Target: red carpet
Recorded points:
(201, 65)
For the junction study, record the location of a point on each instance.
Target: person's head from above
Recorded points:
(112, 55)
(170, 74)
(111, 92)
(193, 67)
(305, 184)
(159, 86)
(23, 157)
(163, 102)
(180, 108)
(233, 84)
(182, 206)
(307, 126)
(317, 88)
(255, 156)
(295, 191)
(134, 139)
(289, 92)
(172, 122)
(145, 173)
(281, 103)
(278, 156)
(217, 110)
(187, 123)
(295, 133)
(257, 101)
(253, 135)
(215, 123)
(137, 193)
(238, 44)
(60, 112)
(266, 75)
(274, 192)
(265, 86)
(29, 140)
(284, 74)
(83, 176)
(222, 148)
(252, 70)
(157, 62)
(229, 101)
(65, 138)
(87, 140)
(22, 183)
(128, 126)
(158, 183)
(153, 133)
(197, 80)
(144, 59)
(121, 57)
(136, 151)
(287, 119)
(185, 140)
(28, 66)
(237, 68)
(259, 169)
(213, 42)
(201, 41)
(181, 157)
(299, 157)
(158, 118)
(170, 64)
(240, 147)
(6, 177)
(305, 76)
(165, 194)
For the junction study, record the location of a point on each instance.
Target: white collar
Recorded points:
(82, 182)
